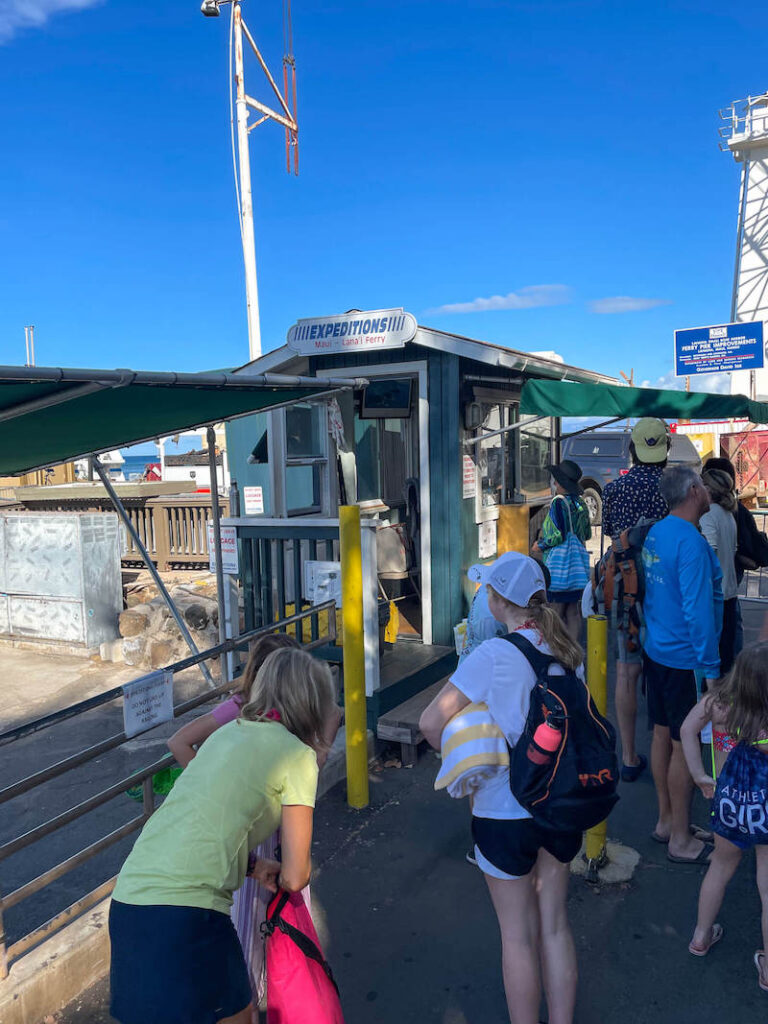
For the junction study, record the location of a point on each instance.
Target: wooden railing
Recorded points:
(174, 530)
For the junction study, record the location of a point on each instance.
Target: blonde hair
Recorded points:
(743, 694)
(260, 651)
(558, 639)
(297, 686)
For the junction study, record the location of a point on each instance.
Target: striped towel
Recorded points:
(473, 749)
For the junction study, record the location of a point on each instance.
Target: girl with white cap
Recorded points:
(525, 866)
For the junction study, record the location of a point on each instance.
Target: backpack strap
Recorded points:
(305, 944)
(539, 662)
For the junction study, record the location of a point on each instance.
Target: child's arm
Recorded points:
(689, 736)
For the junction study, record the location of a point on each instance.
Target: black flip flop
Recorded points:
(702, 858)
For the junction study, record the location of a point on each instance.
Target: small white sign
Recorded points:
(229, 560)
(147, 702)
(469, 478)
(486, 540)
(352, 332)
(253, 500)
(322, 582)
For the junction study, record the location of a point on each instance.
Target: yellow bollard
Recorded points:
(597, 681)
(356, 727)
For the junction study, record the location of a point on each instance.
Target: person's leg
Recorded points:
(722, 866)
(738, 641)
(728, 650)
(761, 854)
(680, 786)
(661, 753)
(516, 909)
(627, 676)
(558, 953)
(243, 1017)
(573, 619)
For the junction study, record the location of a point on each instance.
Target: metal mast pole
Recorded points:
(246, 203)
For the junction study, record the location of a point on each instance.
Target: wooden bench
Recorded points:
(401, 724)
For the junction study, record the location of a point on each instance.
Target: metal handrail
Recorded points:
(143, 777)
(178, 666)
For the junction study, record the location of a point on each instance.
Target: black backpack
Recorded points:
(575, 787)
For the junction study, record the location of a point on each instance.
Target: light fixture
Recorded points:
(210, 8)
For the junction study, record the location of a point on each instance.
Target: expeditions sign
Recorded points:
(352, 332)
(719, 349)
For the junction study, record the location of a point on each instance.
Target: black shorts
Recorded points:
(672, 692)
(512, 846)
(175, 965)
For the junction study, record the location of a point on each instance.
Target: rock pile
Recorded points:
(150, 637)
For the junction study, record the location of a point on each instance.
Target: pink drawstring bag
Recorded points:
(300, 985)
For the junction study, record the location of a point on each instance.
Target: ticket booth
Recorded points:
(429, 442)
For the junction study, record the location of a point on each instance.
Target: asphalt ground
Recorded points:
(411, 935)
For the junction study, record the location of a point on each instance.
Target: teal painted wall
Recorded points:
(445, 492)
(242, 435)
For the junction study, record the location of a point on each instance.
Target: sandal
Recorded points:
(702, 857)
(756, 960)
(696, 831)
(717, 934)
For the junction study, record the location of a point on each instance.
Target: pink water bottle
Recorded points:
(546, 740)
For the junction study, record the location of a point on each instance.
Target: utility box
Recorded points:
(60, 579)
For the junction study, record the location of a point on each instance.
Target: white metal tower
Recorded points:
(745, 135)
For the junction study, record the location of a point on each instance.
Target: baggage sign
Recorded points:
(719, 349)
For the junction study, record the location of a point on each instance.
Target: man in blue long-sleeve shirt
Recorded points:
(683, 608)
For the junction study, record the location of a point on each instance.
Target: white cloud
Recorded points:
(625, 304)
(712, 383)
(16, 15)
(526, 298)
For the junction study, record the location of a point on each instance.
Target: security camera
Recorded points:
(210, 8)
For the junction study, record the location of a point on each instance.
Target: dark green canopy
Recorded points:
(50, 415)
(566, 398)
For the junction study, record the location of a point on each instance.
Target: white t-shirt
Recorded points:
(719, 527)
(501, 676)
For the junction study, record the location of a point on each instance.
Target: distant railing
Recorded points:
(754, 585)
(321, 613)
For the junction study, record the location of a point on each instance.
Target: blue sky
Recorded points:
(559, 155)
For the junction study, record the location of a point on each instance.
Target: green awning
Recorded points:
(50, 415)
(565, 398)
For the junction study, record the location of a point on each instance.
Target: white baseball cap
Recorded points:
(515, 576)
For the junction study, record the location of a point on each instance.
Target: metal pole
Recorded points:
(355, 724)
(597, 680)
(211, 435)
(246, 204)
(26, 345)
(32, 343)
(120, 509)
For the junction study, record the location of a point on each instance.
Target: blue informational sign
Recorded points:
(719, 349)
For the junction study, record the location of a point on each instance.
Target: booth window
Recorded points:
(492, 459)
(535, 457)
(306, 458)
(513, 466)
